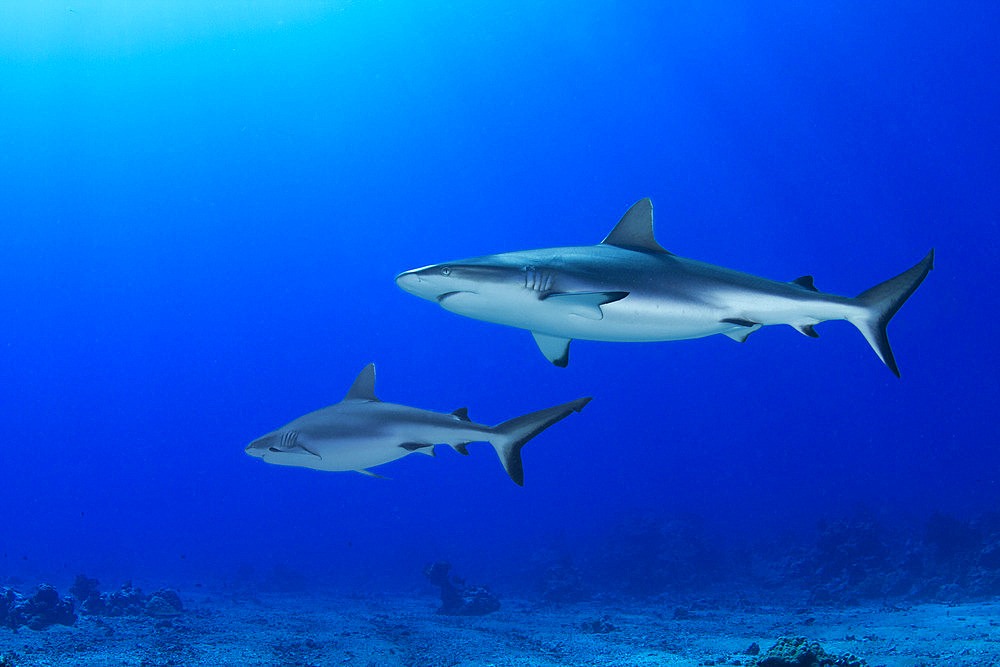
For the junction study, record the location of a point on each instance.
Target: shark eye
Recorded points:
(445, 270)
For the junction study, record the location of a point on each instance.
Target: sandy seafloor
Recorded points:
(314, 629)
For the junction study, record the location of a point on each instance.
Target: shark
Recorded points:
(629, 288)
(362, 432)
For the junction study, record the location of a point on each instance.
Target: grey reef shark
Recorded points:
(361, 432)
(630, 289)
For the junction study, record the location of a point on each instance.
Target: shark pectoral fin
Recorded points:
(555, 348)
(370, 474)
(461, 448)
(421, 447)
(807, 329)
(740, 322)
(585, 304)
(741, 335)
(805, 282)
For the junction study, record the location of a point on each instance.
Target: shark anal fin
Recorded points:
(635, 230)
(805, 282)
(555, 348)
(585, 304)
(461, 448)
(808, 330)
(363, 388)
(462, 413)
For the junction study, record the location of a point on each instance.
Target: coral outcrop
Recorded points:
(800, 652)
(457, 597)
(126, 601)
(38, 612)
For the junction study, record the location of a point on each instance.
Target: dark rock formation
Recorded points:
(164, 603)
(800, 652)
(38, 612)
(126, 601)
(83, 587)
(457, 597)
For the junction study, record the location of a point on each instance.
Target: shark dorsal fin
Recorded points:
(635, 230)
(463, 414)
(806, 282)
(363, 388)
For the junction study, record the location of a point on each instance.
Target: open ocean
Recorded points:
(204, 207)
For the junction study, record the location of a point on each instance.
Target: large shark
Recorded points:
(629, 288)
(361, 432)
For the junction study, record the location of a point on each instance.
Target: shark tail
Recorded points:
(509, 437)
(880, 303)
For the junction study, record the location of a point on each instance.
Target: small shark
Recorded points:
(361, 432)
(629, 288)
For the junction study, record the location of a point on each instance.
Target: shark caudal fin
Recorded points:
(881, 302)
(509, 437)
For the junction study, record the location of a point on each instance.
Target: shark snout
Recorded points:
(418, 283)
(258, 447)
(408, 280)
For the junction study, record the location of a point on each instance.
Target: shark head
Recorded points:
(282, 447)
(439, 282)
(477, 287)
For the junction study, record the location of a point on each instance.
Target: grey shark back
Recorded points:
(629, 288)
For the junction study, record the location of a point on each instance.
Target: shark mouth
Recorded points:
(297, 449)
(442, 297)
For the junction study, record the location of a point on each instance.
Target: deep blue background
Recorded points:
(203, 210)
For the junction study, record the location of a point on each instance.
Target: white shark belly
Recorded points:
(638, 318)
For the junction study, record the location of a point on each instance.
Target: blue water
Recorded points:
(203, 210)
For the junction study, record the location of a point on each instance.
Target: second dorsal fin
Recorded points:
(635, 230)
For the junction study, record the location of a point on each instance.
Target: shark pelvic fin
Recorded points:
(463, 414)
(635, 230)
(363, 388)
(368, 473)
(807, 329)
(554, 348)
(805, 282)
(585, 304)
